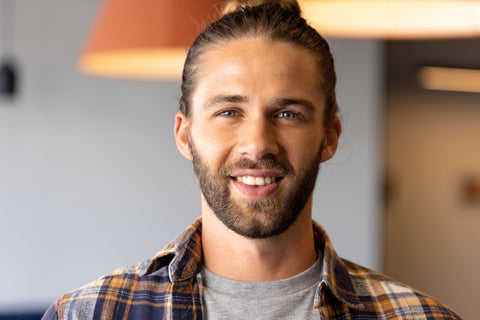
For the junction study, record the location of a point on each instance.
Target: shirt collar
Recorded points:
(183, 255)
(184, 259)
(335, 276)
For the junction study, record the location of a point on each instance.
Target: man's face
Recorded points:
(256, 133)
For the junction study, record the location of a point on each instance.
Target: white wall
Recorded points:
(90, 178)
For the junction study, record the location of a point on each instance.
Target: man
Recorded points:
(257, 117)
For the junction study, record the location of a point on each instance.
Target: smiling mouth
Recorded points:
(257, 181)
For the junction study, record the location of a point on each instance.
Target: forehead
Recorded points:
(258, 68)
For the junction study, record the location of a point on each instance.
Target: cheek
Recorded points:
(302, 148)
(303, 135)
(213, 145)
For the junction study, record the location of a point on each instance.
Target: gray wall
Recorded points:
(90, 178)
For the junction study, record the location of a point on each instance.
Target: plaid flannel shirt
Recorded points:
(168, 287)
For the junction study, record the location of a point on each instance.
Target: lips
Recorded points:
(256, 184)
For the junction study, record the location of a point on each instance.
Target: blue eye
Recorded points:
(288, 115)
(228, 113)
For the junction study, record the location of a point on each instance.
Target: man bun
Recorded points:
(234, 5)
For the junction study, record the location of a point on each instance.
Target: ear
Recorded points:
(181, 131)
(332, 134)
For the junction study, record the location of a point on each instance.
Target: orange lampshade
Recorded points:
(145, 39)
(394, 19)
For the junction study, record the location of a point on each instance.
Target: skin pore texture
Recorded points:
(256, 136)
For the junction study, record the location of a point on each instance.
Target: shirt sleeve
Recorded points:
(51, 313)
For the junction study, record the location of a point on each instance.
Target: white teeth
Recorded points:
(256, 181)
(259, 181)
(250, 181)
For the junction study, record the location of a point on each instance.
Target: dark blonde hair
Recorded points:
(232, 5)
(273, 20)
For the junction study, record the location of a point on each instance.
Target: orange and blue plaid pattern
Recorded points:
(168, 287)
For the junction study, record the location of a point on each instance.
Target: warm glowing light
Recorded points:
(148, 39)
(394, 19)
(145, 39)
(146, 64)
(450, 79)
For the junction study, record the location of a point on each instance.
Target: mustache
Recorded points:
(284, 168)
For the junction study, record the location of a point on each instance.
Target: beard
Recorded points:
(254, 218)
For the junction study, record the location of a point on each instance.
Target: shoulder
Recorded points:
(166, 282)
(112, 294)
(392, 299)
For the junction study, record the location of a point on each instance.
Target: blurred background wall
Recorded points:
(90, 178)
(432, 161)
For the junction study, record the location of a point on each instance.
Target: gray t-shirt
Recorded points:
(290, 298)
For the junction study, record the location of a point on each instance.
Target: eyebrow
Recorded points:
(283, 102)
(225, 98)
(277, 103)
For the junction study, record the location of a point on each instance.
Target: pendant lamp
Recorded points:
(394, 19)
(145, 39)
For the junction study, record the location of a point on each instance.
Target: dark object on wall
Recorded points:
(8, 79)
(8, 70)
(471, 190)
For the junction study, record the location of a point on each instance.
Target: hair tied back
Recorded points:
(239, 5)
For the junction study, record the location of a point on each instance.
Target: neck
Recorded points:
(239, 258)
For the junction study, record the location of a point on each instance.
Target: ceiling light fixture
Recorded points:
(394, 19)
(148, 39)
(449, 79)
(145, 39)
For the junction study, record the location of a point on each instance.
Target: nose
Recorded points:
(257, 140)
